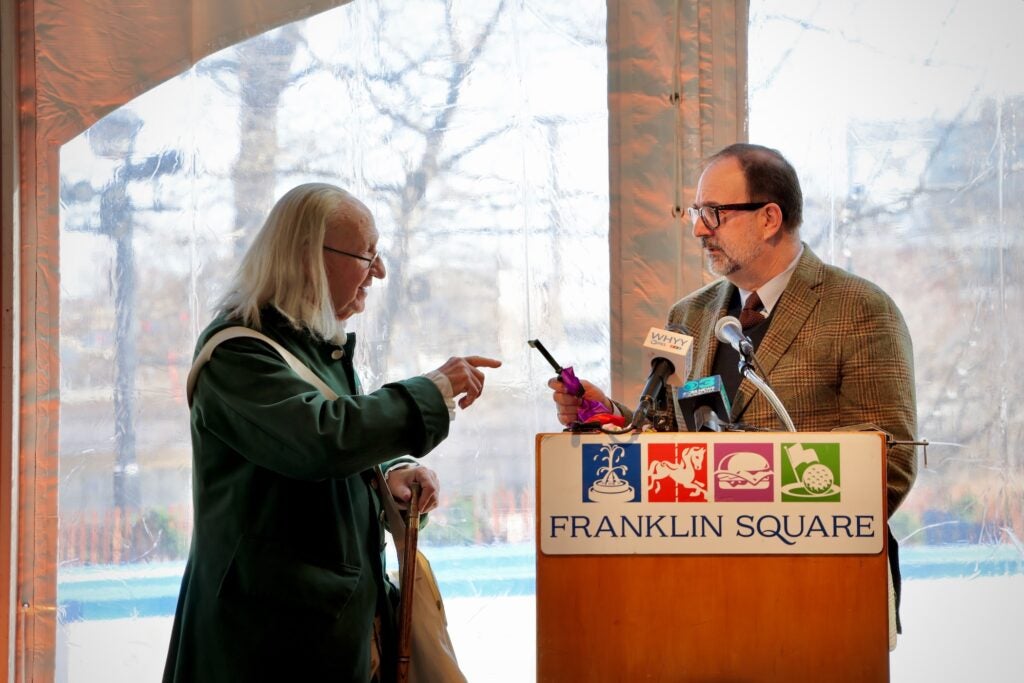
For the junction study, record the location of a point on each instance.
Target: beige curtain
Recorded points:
(676, 93)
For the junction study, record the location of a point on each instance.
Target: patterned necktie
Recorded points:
(750, 315)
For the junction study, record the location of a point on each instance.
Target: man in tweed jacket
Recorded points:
(836, 352)
(834, 347)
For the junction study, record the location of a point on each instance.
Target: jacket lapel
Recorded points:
(705, 341)
(791, 313)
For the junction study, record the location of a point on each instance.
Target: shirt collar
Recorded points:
(771, 291)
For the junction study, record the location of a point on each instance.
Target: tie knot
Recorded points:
(751, 313)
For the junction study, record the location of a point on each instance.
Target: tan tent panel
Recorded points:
(677, 86)
(92, 56)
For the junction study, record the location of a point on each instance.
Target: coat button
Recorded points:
(337, 354)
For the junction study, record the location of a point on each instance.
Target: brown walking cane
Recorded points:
(407, 585)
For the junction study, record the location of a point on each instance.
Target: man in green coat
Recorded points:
(285, 577)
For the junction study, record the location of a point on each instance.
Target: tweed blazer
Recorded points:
(837, 354)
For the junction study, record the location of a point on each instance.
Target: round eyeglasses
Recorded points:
(710, 214)
(369, 260)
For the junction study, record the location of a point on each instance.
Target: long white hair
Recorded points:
(284, 265)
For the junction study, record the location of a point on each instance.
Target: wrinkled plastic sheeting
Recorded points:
(79, 61)
(923, 197)
(475, 133)
(910, 165)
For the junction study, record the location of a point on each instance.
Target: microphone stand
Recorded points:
(747, 370)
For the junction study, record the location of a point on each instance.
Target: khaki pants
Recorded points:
(375, 653)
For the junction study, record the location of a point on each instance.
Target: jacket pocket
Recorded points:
(266, 571)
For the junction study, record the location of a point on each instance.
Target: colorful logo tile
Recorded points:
(744, 472)
(677, 473)
(810, 473)
(611, 473)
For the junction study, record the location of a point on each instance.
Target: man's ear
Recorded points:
(772, 222)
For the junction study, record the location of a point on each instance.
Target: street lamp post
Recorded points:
(114, 137)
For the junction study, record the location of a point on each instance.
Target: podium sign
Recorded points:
(735, 493)
(712, 557)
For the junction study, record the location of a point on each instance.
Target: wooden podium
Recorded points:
(712, 557)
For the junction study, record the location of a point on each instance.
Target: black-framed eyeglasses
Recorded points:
(369, 260)
(710, 213)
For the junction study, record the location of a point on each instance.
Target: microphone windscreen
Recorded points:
(728, 330)
(706, 391)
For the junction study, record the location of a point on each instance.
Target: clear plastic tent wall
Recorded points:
(906, 123)
(475, 134)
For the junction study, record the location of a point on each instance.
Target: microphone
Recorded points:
(667, 352)
(729, 331)
(706, 392)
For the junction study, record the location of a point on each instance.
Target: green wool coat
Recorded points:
(286, 567)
